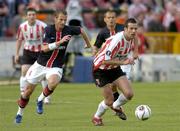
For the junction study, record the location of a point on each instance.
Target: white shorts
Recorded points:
(127, 69)
(37, 73)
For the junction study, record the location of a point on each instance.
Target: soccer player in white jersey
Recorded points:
(113, 53)
(30, 33)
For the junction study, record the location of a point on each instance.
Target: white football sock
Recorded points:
(20, 111)
(120, 101)
(23, 83)
(101, 109)
(41, 97)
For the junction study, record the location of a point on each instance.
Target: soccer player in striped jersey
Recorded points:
(107, 72)
(30, 33)
(50, 61)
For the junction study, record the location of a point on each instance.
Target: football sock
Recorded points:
(22, 102)
(116, 95)
(46, 92)
(101, 109)
(20, 111)
(120, 101)
(23, 83)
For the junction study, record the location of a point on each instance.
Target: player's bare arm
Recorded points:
(86, 39)
(117, 62)
(18, 47)
(136, 43)
(94, 50)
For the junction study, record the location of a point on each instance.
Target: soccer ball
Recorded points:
(143, 112)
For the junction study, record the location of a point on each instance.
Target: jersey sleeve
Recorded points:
(19, 35)
(99, 40)
(75, 30)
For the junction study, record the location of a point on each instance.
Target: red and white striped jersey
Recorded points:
(32, 35)
(115, 47)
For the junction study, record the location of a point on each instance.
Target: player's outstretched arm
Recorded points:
(86, 39)
(136, 43)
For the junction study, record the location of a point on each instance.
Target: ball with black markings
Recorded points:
(143, 112)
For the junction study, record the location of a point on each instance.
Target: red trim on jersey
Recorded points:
(25, 27)
(19, 34)
(31, 33)
(122, 43)
(55, 52)
(39, 47)
(52, 58)
(115, 49)
(37, 31)
(112, 32)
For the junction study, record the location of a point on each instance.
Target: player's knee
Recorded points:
(109, 102)
(52, 83)
(129, 95)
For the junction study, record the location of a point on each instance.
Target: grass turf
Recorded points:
(73, 106)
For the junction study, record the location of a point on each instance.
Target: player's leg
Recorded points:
(127, 93)
(103, 105)
(103, 81)
(33, 77)
(23, 101)
(23, 82)
(53, 76)
(44, 84)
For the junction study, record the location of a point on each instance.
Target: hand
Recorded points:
(64, 39)
(135, 56)
(129, 61)
(94, 50)
(16, 59)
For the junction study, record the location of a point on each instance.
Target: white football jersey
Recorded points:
(32, 35)
(115, 47)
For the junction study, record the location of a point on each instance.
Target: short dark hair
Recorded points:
(57, 12)
(130, 20)
(30, 9)
(109, 11)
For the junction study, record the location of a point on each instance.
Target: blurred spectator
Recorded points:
(103, 4)
(18, 2)
(170, 10)
(136, 8)
(115, 4)
(155, 25)
(143, 46)
(18, 19)
(123, 16)
(89, 17)
(175, 25)
(3, 12)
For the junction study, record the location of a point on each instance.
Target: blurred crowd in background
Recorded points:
(153, 15)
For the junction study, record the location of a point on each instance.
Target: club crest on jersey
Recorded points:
(108, 53)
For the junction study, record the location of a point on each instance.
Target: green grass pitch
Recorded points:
(73, 106)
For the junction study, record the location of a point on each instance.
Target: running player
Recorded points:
(50, 61)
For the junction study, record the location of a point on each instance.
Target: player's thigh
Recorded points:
(24, 69)
(124, 85)
(54, 75)
(36, 73)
